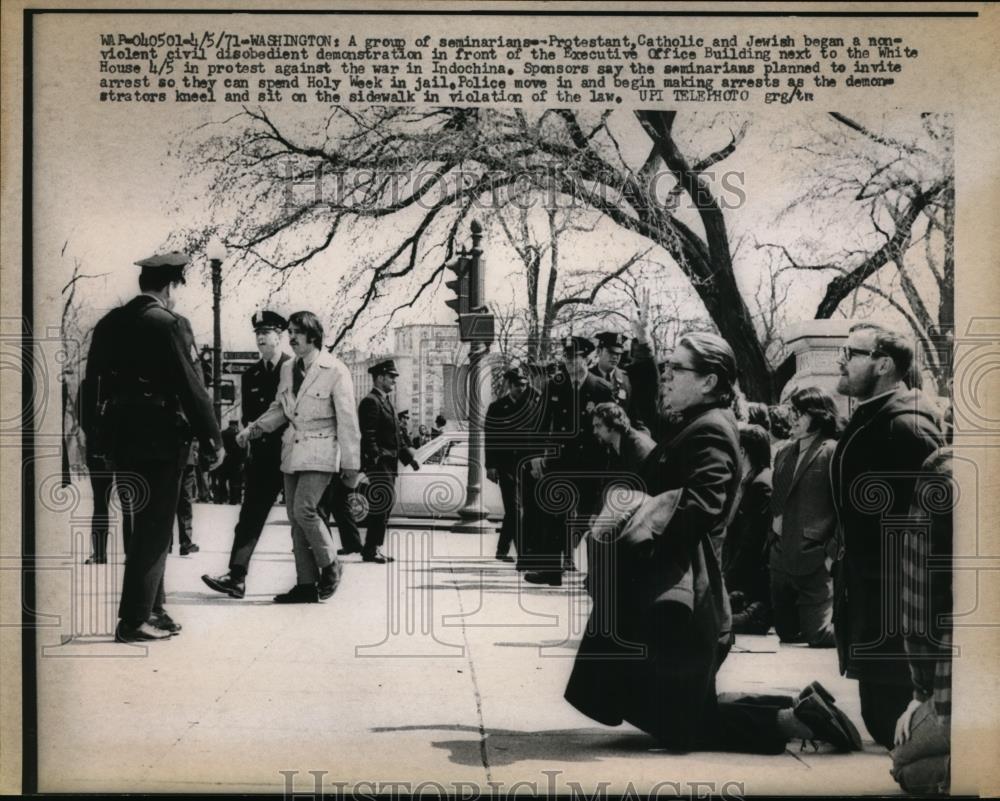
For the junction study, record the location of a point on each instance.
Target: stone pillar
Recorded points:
(816, 345)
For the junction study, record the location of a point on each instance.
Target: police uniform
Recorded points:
(511, 430)
(617, 378)
(381, 451)
(258, 388)
(160, 405)
(189, 491)
(581, 460)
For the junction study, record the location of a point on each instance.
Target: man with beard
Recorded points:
(879, 455)
(258, 387)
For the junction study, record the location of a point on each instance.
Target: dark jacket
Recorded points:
(511, 430)
(258, 389)
(567, 422)
(808, 520)
(621, 387)
(623, 669)
(626, 466)
(744, 557)
(381, 449)
(873, 473)
(159, 400)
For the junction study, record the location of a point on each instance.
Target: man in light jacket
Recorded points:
(316, 398)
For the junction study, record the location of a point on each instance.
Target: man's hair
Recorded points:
(757, 415)
(440, 420)
(156, 279)
(713, 356)
(612, 416)
(309, 324)
(821, 408)
(894, 344)
(757, 444)
(781, 425)
(403, 414)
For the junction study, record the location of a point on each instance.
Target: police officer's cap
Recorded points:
(515, 375)
(268, 320)
(172, 259)
(387, 367)
(580, 346)
(611, 340)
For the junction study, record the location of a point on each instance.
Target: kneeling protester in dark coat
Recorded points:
(661, 624)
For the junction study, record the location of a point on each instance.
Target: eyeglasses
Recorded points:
(669, 368)
(847, 353)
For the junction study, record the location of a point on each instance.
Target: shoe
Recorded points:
(164, 622)
(569, 566)
(502, 557)
(347, 551)
(550, 577)
(378, 558)
(95, 560)
(144, 632)
(828, 723)
(819, 689)
(192, 548)
(329, 580)
(226, 584)
(299, 594)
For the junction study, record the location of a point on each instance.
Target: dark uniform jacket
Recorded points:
(258, 389)
(511, 429)
(621, 387)
(380, 446)
(159, 399)
(873, 474)
(567, 422)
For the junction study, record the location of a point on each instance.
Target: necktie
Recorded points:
(297, 375)
(269, 367)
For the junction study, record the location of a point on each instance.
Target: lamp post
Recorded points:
(216, 252)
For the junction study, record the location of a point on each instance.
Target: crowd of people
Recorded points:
(701, 515)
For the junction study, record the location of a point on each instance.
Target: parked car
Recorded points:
(438, 488)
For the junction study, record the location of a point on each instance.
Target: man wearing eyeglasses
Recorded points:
(873, 473)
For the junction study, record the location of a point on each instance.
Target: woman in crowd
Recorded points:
(659, 632)
(804, 542)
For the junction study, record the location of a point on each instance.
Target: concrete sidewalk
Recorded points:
(441, 667)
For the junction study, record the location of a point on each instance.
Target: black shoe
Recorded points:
(226, 584)
(144, 632)
(502, 557)
(192, 548)
(347, 551)
(329, 580)
(95, 560)
(550, 577)
(828, 723)
(378, 558)
(164, 622)
(299, 594)
(819, 689)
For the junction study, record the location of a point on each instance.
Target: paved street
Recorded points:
(440, 667)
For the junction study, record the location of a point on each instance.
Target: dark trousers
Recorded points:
(232, 482)
(185, 505)
(104, 481)
(512, 518)
(562, 529)
(803, 606)
(381, 497)
(335, 504)
(152, 531)
(881, 705)
(264, 483)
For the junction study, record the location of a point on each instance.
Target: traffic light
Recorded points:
(461, 284)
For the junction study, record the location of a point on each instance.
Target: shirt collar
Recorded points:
(309, 358)
(880, 396)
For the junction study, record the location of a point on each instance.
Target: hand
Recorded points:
(903, 724)
(350, 477)
(416, 464)
(493, 475)
(640, 321)
(537, 465)
(219, 456)
(243, 437)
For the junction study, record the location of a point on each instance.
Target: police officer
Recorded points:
(569, 401)
(610, 348)
(159, 405)
(511, 427)
(381, 452)
(258, 387)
